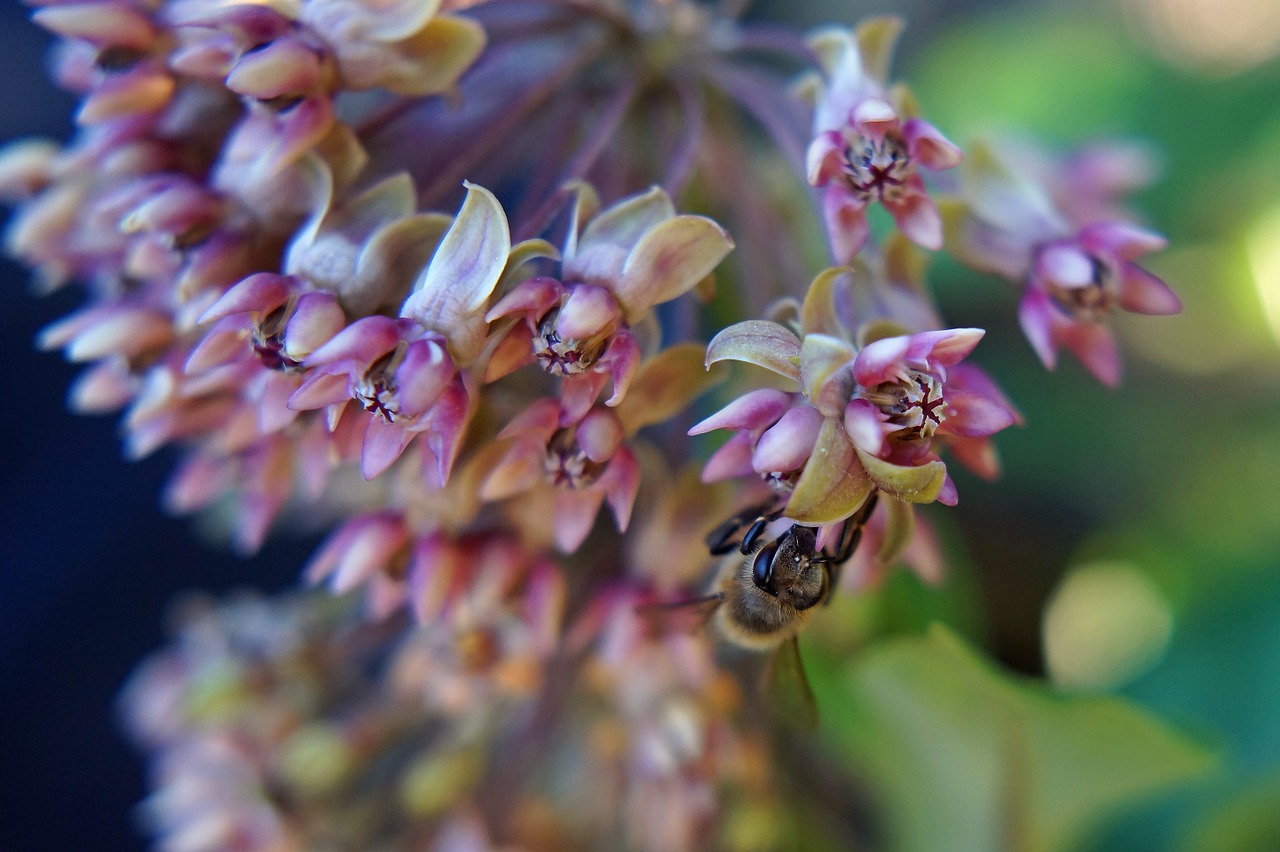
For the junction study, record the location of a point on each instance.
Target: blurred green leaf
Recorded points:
(965, 757)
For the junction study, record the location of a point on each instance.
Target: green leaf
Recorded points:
(965, 757)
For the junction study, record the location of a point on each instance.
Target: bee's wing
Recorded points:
(685, 616)
(790, 689)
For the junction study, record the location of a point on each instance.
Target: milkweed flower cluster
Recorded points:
(439, 272)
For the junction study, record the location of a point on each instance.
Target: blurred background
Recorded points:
(1130, 547)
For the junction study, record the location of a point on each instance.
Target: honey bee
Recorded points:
(766, 597)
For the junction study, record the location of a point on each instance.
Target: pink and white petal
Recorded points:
(364, 341)
(752, 411)
(223, 343)
(864, 423)
(374, 543)
(383, 443)
(825, 157)
(578, 393)
(918, 220)
(445, 426)
(424, 373)
(261, 292)
(325, 560)
(575, 515)
(514, 351)
(668, 261)
(1144, 293)
(274, 412)
(533, 298)
(845, 216)
(786, 445)
(599, 434)
(947, 495)
(298, 130)
(620, 482)
(326, 386)
(519, 469)
(1095, 346)
(730, 461)
(882, 361)
(1122, 239)
(929, 147)
(317, 317)
(587, 311)
(943, 348)
(765, 344)
(973, 415)
(539, 419)
(622, 361)
(1035, 315)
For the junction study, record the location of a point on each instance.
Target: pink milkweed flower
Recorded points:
(869, 414)
(868, 142)
(406, 371)
(629, 258)
(1074, 276)
(585, 462)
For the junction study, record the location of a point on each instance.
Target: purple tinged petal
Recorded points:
(865, 425)
(298, 130)
(1035, 315)
(1143, 293)
(834, 484)
(947, 495)
(973, 415)
(588, 311)
(919, 220)
(519, 469)
(1122, 239)
(665, 385)
(752, 411)
(599, 435)
(284, 67)
(445, 427)
(372, 546)
(451, 293)
(787, 444)
(317, 317)
(221, 344)
(732, 460)
(946, 347)
(364, 341)
(825, 374)
(101, 24)
(824, 158)
(928, 146)
(914, 484)
(577, 395)
(423, 374)
(533, 297)
(668, 261)
(765, 344)
(622, 361)
(274, 412)
(883, 360)
(846, 218)
(575, 515)
(324, 386)
(383, 444)
(540, 419)
(260, 293)
(103, 388)
(129, 332)
(621, 481)
(1095, 346)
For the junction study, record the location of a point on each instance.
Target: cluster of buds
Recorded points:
(295, 275)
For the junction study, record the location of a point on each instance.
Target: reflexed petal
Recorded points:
(973, 415)
(622, 361)
(730, 461)
(825, 157)
(927, 145)
(834, 483)
(514, 351)
(519, 470)
(668, 261)
(533, 297)
(223, 343)
(874, 115)
(946, 347)
(284, 67)
(261, 292)
(915, 484)
(106, 24)
(369, 549)
(899, 530)
(752, 411)
(787, 444)
(575, 516)
(274, 412)
(578, 393)
(1123, 239)
(882, 360)
(621, 481)
(445, 426)
(383, 444)
(1095, 346)
(846, 219)
(1035, 314)
(541, 419)
(324, 386)
(947, 495)
(765, 344)
(1144, 293)
(918, 220)
(425, 371)
(364, 341)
